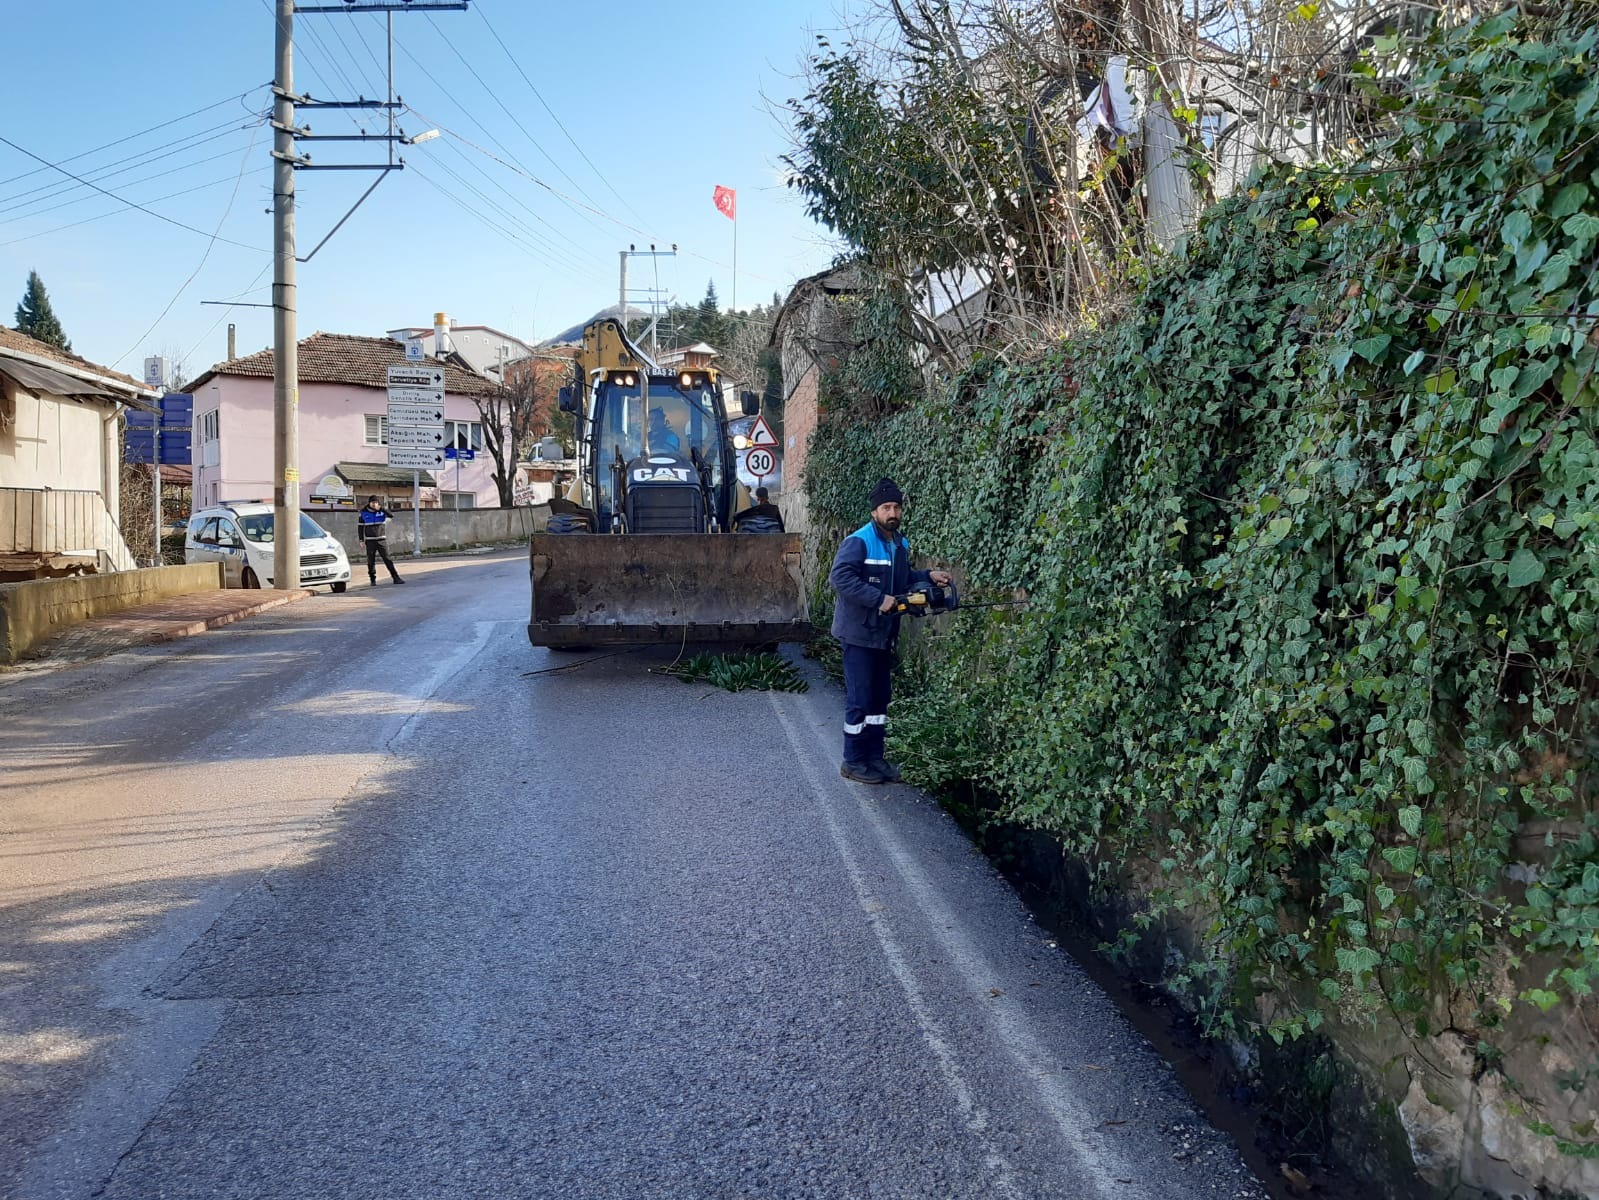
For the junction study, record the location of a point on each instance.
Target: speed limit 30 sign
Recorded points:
(759, 461)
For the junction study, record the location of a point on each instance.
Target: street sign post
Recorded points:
(417, 458)
(405, 394)
(415, 430)
(414, 438)
(416, 416)
(405, 375)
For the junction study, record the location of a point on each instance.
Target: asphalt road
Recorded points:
(359, 898)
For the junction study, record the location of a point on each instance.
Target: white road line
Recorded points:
(1078, 1127)
(971, 1112)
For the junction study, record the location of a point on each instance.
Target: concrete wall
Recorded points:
(31, 612)
(441, 528)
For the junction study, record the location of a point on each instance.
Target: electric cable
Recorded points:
(537, 95)
(129, 183)
(579, 275)
(493, 95)
(244, 161)
(115, 211)
(574, 204)
(515, 199)
(103, 171)
(528, 175)
(250, 290)
(139, 134)
(151, 212)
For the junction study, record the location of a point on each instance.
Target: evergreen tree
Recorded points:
(709, 324)
(37, 319)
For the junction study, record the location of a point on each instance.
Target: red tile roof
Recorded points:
(11, 339)
(347, 358)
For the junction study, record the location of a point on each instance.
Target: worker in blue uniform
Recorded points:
(872, 567)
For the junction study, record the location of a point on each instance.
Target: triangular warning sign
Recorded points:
(761, 433)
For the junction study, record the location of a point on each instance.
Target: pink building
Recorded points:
(343, 429)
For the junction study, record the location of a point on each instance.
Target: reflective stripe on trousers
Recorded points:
(868, 678)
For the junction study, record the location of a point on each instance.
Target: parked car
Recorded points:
(240, 536)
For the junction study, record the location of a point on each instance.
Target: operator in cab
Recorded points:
(662, 439)
(872, 567)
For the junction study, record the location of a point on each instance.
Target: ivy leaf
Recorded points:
(1401, 858)
(1525, 568)
(1357, 961)
(1414, 360)
(1410, 819)
(1372, 348)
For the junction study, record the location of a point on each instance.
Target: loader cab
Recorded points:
(662, 462)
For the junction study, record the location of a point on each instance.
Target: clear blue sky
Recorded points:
(649, 106)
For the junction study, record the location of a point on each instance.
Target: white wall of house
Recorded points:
(53, 441)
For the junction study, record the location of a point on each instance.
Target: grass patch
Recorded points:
(740, 672)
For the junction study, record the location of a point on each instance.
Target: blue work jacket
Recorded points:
(865, 569)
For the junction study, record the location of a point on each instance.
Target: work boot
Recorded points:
(397, 579)
(861, 773)
(372, 581)
(886, 769)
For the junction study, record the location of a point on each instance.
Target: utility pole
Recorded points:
(652, 253)
(285, 350)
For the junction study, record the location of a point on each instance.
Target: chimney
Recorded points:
(233, 352)
(441, 329)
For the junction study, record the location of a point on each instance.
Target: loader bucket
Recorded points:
(646, 588)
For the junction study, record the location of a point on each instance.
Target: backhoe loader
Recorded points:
(641, 548)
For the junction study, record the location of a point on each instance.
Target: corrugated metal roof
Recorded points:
(12, 339)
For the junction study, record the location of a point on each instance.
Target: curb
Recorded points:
(227, 618)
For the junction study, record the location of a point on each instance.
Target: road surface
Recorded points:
(365, 897)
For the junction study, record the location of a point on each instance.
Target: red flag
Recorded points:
(726, 200)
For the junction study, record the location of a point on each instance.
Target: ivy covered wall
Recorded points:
(1309, 535)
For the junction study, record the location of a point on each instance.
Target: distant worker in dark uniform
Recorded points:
(372, 530)
(872, 567)
(761, 517)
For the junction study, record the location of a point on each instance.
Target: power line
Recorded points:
(115, 211)
(540, 98)
(529, 176)
(103, 171)
(150, 212)
(244, 161)
(573, 271)
(575, 205)
(551, 249)
(493, 95)
(83, 199)
(139, 134)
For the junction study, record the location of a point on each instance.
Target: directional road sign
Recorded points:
(417, 415)
(415, 395)
(429, 437)
(415, 459)
(405, 375)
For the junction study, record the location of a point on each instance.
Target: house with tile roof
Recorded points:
(343, 384)
(61, 460)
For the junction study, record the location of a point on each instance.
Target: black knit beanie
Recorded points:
(887, 492)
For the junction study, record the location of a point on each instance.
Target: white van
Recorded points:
(239, 536)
